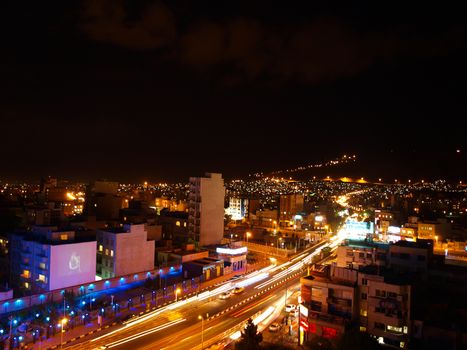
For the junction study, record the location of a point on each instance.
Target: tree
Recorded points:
(318, 343)
(354, 339)
(250, 337)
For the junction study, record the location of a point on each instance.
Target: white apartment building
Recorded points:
(359, 253)
(124, 251)
(206, 209)
(238, 208)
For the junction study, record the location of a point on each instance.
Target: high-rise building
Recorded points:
(206, 209)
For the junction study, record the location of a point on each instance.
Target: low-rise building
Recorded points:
(371, 297)
(355, 254)
(124, 250)
(48, 258)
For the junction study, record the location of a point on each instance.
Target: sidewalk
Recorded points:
(82, 331)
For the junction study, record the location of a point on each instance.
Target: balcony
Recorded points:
(339, 301)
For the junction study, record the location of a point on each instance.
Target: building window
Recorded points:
(393, 329)
(364, 281)
(379, 325)
(184, 224)
(26, 285)
(363, 312)
(101, 247)
(361, 255)
(26, 273)
(381, 293)
(392, 295)
(64, 237)
(106, 251)
(405, 329)
(42, 278)
(364, 296)
(177, 223)
(380, 310)
(111, 252)
(421, 257)
(42, 266)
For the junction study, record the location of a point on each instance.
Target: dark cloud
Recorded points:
(245, 49)
(110, 21)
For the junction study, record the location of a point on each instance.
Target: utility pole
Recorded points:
(11, 332)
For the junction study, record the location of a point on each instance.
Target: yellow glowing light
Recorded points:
(70, 196)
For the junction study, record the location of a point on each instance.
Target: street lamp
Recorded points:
(177, 291)
(63, 322)
(202, 330)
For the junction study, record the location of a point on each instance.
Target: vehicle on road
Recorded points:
(225, 295)
(238, 290)
(274, 327)
(290, 308)
(128, 318)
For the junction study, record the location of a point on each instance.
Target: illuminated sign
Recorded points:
(304, 325)
(229, 251)
(72, 264)
(304, 311)
(394, 230)
(358, 229)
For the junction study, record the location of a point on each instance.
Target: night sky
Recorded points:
(150, 90)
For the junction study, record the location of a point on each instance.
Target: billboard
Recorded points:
(72, 264)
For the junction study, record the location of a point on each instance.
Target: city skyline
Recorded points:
(165, 91)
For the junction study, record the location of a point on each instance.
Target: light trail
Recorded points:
(144, 333)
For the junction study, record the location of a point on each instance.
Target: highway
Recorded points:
(178, 325)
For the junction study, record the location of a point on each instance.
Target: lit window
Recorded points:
(42, 278)
(26, 285)
(101, 247)
(64, 237)
(26, 274)
(106, 251)
(42, 266)
(406, 329)
(394, 329)
(184, 224)
(111, 252)
(363, 312)
(177, 223)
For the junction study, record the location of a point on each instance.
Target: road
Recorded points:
(177, 326)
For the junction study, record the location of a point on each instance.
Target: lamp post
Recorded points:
(202, 330)
(11, 328)
(63, 322)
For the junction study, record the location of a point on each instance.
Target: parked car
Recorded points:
(290, 308)
(238, 290)
(274, 327)
(225, 295)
